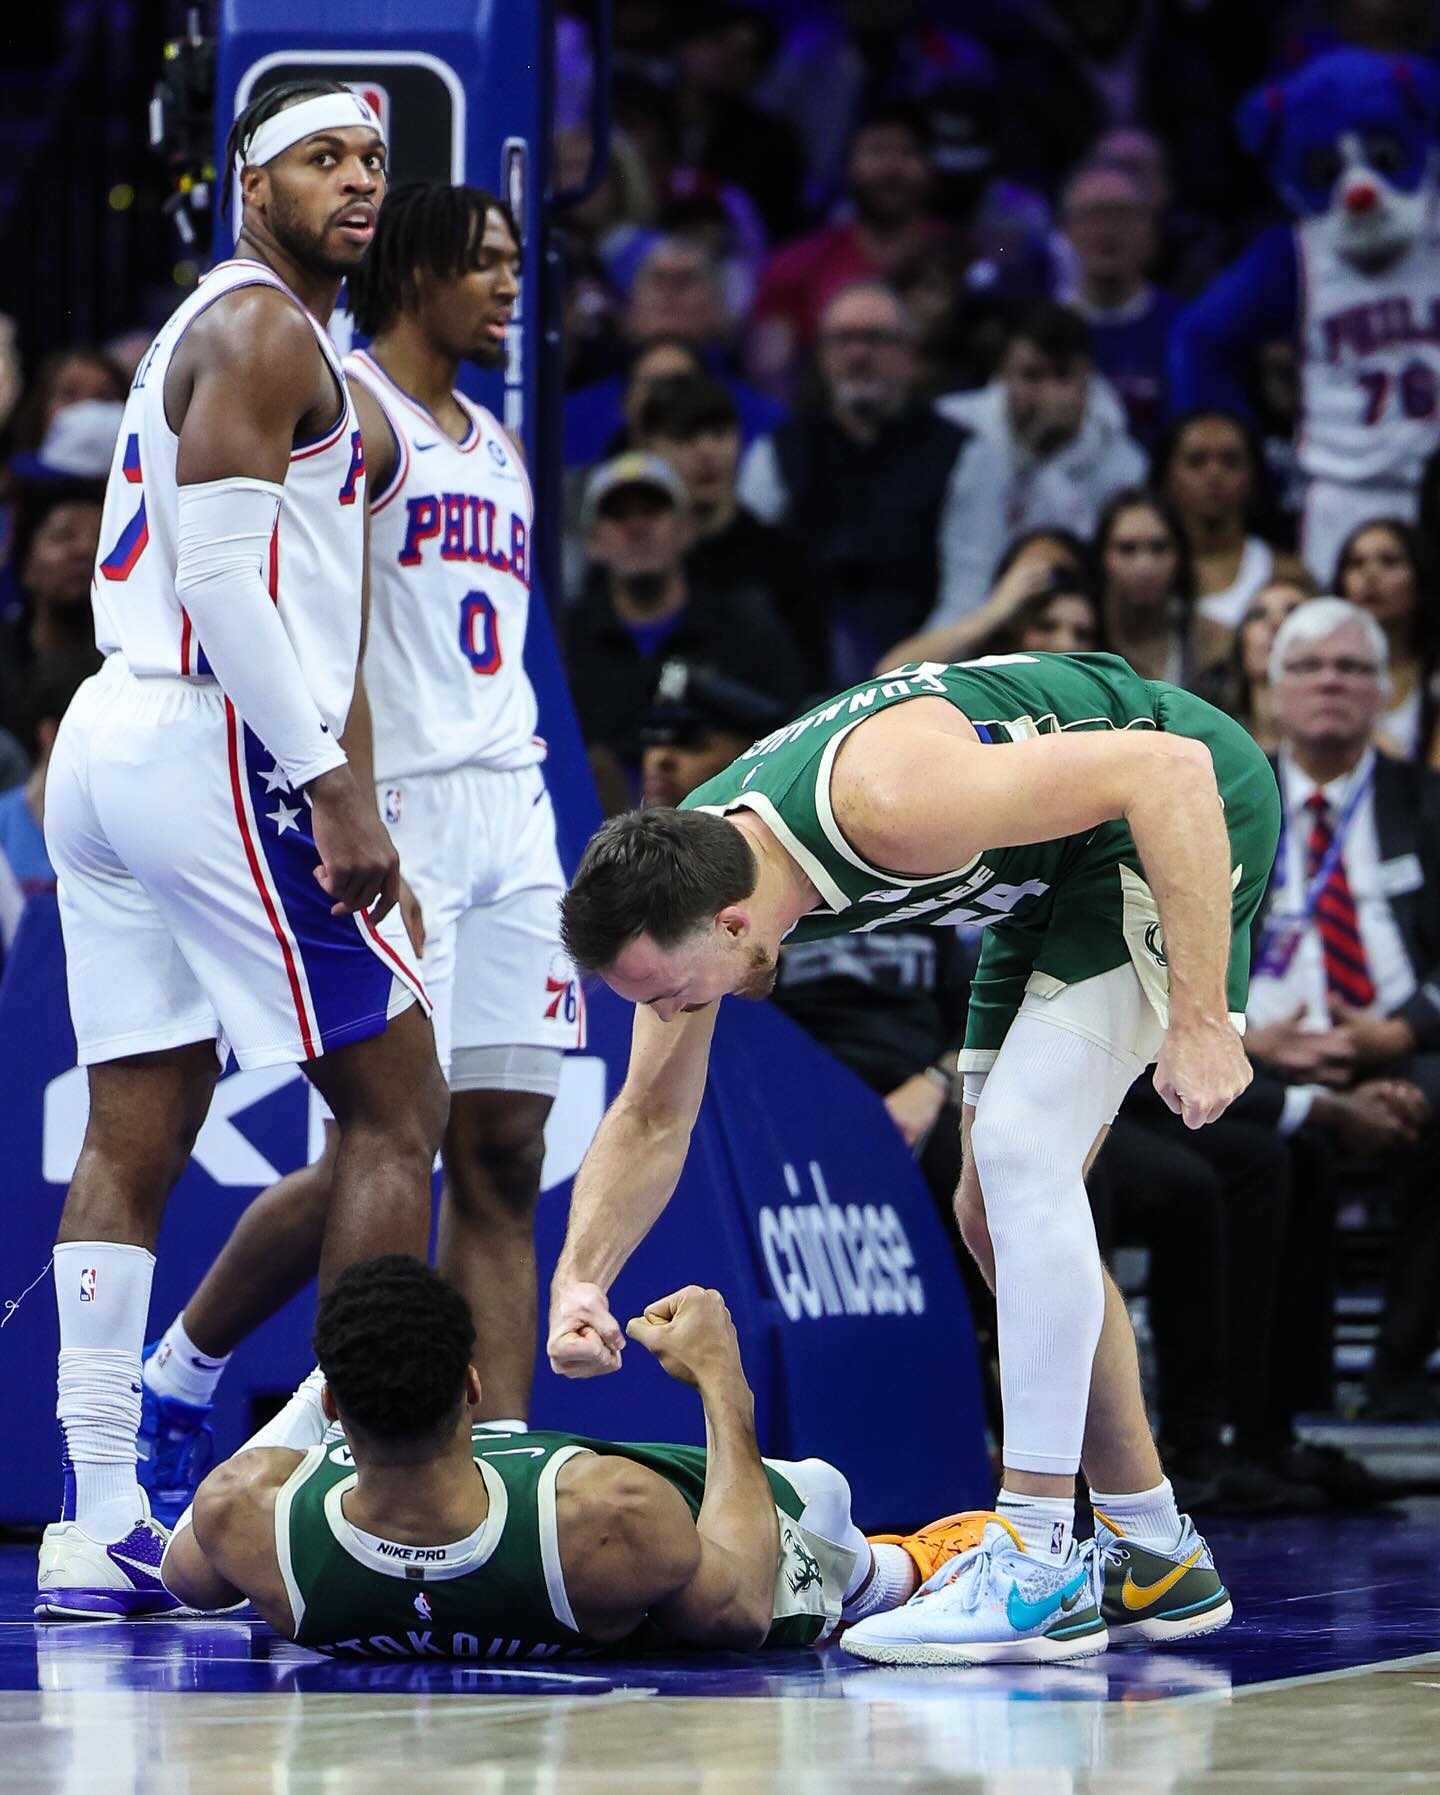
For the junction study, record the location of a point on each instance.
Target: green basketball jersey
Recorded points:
(501, 1593)
(785, 779)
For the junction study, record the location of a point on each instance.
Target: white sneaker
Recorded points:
(86, 1579)
(995, 1604)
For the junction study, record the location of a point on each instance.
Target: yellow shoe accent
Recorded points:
(1141, 1595)
(945, 1539)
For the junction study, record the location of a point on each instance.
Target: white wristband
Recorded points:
(224, 542)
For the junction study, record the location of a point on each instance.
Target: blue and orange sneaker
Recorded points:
(993, 1604)
(176, 1448)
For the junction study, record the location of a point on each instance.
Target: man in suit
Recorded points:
(1345, 999)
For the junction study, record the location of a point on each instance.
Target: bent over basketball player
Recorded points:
(225, 880)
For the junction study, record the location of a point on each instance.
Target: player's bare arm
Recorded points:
(227, 1553)
(917, 792)
(628, 1542)
(237, 395)
(627, 1177)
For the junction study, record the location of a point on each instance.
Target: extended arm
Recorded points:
(625, 1180)
(1215, 338)
(893, 798)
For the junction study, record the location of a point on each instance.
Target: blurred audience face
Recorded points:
(1377, 574)
(1330, 691)
(672, 770)
(1210, 477)
(1046, 398)
(1065, 624)
(651, 366)
(728, 58)
(1269, 608)
(639, 535)
(707, 462)
(866, 359)
(80, 377)
(1112, 231)
(1140, 560)
(60, 561)
(889, 175)
(676, 293)
(1141, 155)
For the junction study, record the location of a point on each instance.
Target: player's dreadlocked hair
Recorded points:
(274, 99)
(423, 224)
(394, 1340)
(660, 873)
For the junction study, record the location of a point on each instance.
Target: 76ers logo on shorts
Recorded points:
(87, 1285)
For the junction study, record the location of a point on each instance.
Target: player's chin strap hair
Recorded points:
(225, 532)
(327, 112)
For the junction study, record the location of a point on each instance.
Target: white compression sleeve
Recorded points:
(224, 539)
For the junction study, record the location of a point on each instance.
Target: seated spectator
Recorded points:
(65, 378)
(1147, 593)
(1110, 230)
(1191, 245)
(1387, 569)
(699, 722)
(889, 183)
(1344, 1016)
(1208, 464)
(1241, 683)
(1041, 602)
(690, 420)
(641, 607)
(893, 511)
(677, 296)
(1057, 427)
(25, 867)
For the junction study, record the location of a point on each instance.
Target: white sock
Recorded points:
(1149, 1517)
(891, 1578)
(301, 1424)
(178, 1369)
(1045, 1523)
(102, 1292)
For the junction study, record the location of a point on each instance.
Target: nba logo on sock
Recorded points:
(422, 1606)
(1057, 1539)
(87, 1285)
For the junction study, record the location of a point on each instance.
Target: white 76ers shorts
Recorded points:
(478, 847)
(187, 887)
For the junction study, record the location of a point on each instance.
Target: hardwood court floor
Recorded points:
(1328, 1680)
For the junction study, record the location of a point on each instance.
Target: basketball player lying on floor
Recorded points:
(386, 1543)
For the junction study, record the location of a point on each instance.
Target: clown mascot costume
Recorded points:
(1351, 142)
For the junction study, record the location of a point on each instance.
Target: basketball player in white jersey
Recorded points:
(225, 881)
(459, 782)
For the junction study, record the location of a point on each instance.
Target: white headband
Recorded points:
(327, 112)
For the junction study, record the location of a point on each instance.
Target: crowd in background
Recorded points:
(867, 337)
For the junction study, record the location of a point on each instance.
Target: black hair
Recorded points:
(683, 406)
(1260, 506)
(1074, 546)
(429, 225)
(896, 113)
(394, 1341)
(1061, 335)
(274, 99)
(1418, 553)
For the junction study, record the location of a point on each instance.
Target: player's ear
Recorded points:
(254, 186)
(472, 1387)
(734, 921)
(327, 1402)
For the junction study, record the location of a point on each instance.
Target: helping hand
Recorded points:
(585, 1338)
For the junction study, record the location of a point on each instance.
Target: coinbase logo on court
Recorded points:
(825, 1258)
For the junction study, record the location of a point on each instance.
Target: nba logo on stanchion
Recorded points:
(87, 1285)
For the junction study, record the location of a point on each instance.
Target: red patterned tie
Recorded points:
(1347, 976)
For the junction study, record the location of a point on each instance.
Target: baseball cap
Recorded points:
(633, 469)
(691, 698)
(79, 445)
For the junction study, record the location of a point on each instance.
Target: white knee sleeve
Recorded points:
(1044, 1101)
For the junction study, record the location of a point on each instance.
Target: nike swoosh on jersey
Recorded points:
(517, 1452)
(420, 448)
(1141, 1595)
(1023, 1615)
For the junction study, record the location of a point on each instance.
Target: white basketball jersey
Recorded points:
(1370, 360)
(315, 566)
(449, 593)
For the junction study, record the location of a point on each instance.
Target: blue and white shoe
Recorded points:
(995, 1604)
(86, 1579)
(176, 1448)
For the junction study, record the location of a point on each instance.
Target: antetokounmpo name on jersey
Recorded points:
(465, 527)
(429, 1644)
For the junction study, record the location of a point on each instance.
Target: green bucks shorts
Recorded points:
(1102, 914)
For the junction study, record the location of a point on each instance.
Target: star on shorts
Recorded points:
(275, 780)
(284, 818)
